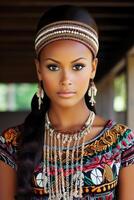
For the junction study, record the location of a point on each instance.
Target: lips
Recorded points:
(66, 93)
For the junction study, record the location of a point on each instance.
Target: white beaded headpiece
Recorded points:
(69, 29)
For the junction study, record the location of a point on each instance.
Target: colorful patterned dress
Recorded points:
(104, 156)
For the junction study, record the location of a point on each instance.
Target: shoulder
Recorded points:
(113, 135)
(10, 135)
(123, 134)
(119, 130)
(9, 145)
(119, 134)
(119, 138)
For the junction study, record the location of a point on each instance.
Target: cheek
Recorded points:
(83, 80)
(49, 83)
(83, 83)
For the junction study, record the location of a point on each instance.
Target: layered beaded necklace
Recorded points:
(63, 160)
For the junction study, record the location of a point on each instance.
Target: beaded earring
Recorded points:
(92, 92)
(40, 95)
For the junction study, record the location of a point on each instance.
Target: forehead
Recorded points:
(65, 48)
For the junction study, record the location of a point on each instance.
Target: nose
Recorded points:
(66, 79)
(66, 82)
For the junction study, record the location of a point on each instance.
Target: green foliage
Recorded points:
(3, 97)
(120, 94)
(16, 97)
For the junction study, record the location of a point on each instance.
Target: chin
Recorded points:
(67, 103)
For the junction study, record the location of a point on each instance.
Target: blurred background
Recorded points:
(115, 73)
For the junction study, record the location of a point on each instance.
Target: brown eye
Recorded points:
(78, 67)
(52, 67)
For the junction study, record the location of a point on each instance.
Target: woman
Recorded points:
(64, 150)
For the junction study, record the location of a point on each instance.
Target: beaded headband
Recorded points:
(69, 29)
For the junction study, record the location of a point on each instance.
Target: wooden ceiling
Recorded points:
(18, 19)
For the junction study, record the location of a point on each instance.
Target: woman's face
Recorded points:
(65, 67)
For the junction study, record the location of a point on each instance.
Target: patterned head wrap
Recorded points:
(67, 28)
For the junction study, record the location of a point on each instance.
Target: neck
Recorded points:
(68, 118)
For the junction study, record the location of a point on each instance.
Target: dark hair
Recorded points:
(30, 151)
(66, 12)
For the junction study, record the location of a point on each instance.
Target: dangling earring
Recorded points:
(92, 92)
(40, 95)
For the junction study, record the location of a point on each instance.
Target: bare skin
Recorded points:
(126, 183)
(68, 75)
(67, 113)
(7, 182)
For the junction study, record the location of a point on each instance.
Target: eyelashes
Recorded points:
(53, 67)
(76, 67)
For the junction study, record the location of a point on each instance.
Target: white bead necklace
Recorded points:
(62, 171)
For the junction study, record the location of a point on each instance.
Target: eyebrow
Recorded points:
(60, 63)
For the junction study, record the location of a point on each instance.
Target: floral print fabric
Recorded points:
(104, 156)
